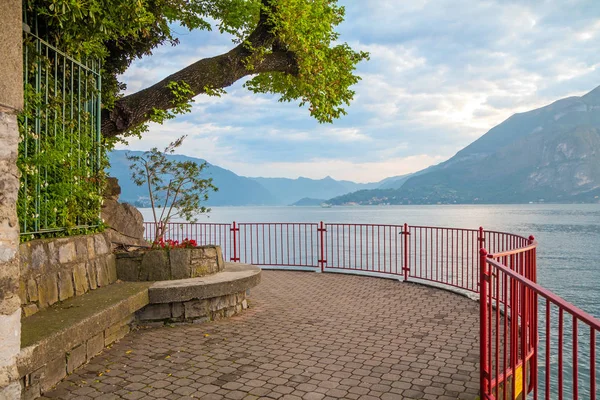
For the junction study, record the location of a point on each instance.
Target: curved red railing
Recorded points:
(527, 347)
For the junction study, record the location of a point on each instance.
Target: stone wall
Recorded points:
(11, 101)
(163, 265)
(195, 310)
(56, 269)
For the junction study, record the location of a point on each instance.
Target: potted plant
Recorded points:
(176, 191)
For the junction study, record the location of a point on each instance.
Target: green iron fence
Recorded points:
(60, 153)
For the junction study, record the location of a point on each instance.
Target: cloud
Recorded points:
(441, 74)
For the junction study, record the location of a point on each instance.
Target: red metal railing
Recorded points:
(527, 347)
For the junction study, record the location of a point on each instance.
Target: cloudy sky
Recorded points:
(441, 74)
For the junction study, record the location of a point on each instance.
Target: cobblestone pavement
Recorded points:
(306, 336)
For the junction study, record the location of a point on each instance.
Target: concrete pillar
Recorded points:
(11, 101)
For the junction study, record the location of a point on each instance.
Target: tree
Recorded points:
(175, 188)
(288, 46)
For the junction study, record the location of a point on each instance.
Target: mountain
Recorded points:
(309, 202)
(235, 190)
(288, 191)
(549, 154)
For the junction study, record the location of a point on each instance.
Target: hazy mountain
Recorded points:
(288, 191)
(307, 201)
(235, 190)
(550, 154)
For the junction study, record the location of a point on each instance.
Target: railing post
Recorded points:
(235, 230)
(484, 374)
(322, 260)
(406, 268)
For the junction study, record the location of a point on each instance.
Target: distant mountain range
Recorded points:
(235, 190)
(551, 154)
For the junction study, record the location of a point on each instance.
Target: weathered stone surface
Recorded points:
(177, 310)
(180, 263)
(82, 317)
(32, 290)
(94, 345)
(116, 332)
(30, 309)
(101, 269)
(80, 279)
(23, 292)
(81, 250)
(100, 245)
(76, 357)
(54, 371)
(91, 251)
(125, 221)
(111, 268)
(235, 278)
(128, 266)
(66, 252)
(154, 312)
(38, 257)
(92, 275)
(47, 289)
(65, 285)
(195, 309)
(155, 266)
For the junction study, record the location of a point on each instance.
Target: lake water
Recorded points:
(568, 234)
(568, 248)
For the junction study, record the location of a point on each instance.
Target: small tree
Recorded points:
(175, 188)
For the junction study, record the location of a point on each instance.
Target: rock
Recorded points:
(155, 266)
(94, 345)
(75, 358)
(180, 263)
(125, 221)
(66, 252)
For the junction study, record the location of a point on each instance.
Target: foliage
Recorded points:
(59, 157)
(120, 31)
(175, 188)
(175, 244)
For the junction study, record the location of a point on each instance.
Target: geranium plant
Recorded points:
(175, 188)
(175, 244)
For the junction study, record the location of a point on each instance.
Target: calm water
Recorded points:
(568, 235)
(568, 250)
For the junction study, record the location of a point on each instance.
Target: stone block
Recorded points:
(128, 268)
(32, 290)
(94, 345)
(47, 289)
(195, 309)
(180, 263)
(76, 357)
(111, 268)
(81, 250)
(210, 252)
(177, 310)
(30, 309)
(54, 372)
(155, 266)
(101, 271)
(90, 247)
(90, 266)
(116, 332)
(39, 257)
(65, 285)
(155, 312)
(23, 292)
(66, 251)
(30, 392)
(244, 304)
(80, 280)
(100, 245)
(220, 261)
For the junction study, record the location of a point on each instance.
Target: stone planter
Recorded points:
(163, 265)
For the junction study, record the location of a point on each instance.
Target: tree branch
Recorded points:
(213, 73)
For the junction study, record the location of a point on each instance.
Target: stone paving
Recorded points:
(306, 336)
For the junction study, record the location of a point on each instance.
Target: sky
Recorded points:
(441, 74)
